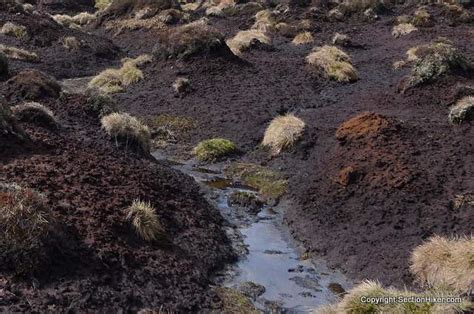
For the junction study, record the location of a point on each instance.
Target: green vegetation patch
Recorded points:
(235, 302)
(268, 182)
(214, 149)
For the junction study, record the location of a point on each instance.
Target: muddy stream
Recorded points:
(272, 268)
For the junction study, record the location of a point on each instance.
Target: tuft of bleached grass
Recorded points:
(144, 220)
(244, 40)
(71, 43)
(283, 132)
(341, 39)
(352, 302)
(431, 61)
(102, 4)
(181, 85)
(63, 19)
(335, 63)
(303, 38)
(128, 130)
(12, 29)
(112, 81)
(28, 7)
(445, 263)
(462, 111)
(214, 149)
(403, 29)
(35, 112)
(23, 218)
(84, 18)
(19, 54)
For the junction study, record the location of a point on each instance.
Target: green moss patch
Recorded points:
(268, 182)
(214, 149)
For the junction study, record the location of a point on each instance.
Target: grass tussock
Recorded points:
(265, 21)
(102, 4)
(352, 302)
(234, 301)
(303, 38)
(18, 54)
(269, 183)
(24, 222)
(462, 111)
(35, 113)
(445, 263)
(75, 21)
(334, 62)
(189, 40)
(181, 85)
(244, 40)
(403, 29)
(112, 81)
(434, 60)
(283, 132)
(127, 130)
(144, 220)
(12, 29)
(71, 43)
(214, 149)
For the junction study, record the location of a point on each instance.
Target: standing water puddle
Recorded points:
(269, 257)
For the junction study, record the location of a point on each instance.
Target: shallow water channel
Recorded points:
(270, 268)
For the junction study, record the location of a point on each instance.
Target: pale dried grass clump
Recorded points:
(36, 113)
(265, 21)
(283, 132)
(335, 63)
(112, 81)
(403, 29)
(181, 85)
(75, 21)
(102, 4)
(127, 130)
(144, 220)
(19, 54)
(341, 40)
(71, 43)
(352, 302)
(244, 40)
(445, 263)
(462, 111)
(23, 218)
(434, 60)
(303, 39)
(28, 7)
(12, 29)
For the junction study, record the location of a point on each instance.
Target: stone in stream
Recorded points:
(307, 282)
(251, 289)
(247, 200)
(336, 288)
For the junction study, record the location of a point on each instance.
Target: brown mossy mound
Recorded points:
(128, 8)
(32, 85)
(191, 39)
(365, 125)
(65, 6)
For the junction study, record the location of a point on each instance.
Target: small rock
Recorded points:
(336, 288)
(251, 289)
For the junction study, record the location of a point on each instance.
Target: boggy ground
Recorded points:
(361, 203)
(402, 183)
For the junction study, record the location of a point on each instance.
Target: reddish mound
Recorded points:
(365, 125)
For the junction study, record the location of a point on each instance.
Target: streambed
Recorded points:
(271, 268)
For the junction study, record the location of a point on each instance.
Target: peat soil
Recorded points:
(401, 183)
(97, 262)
